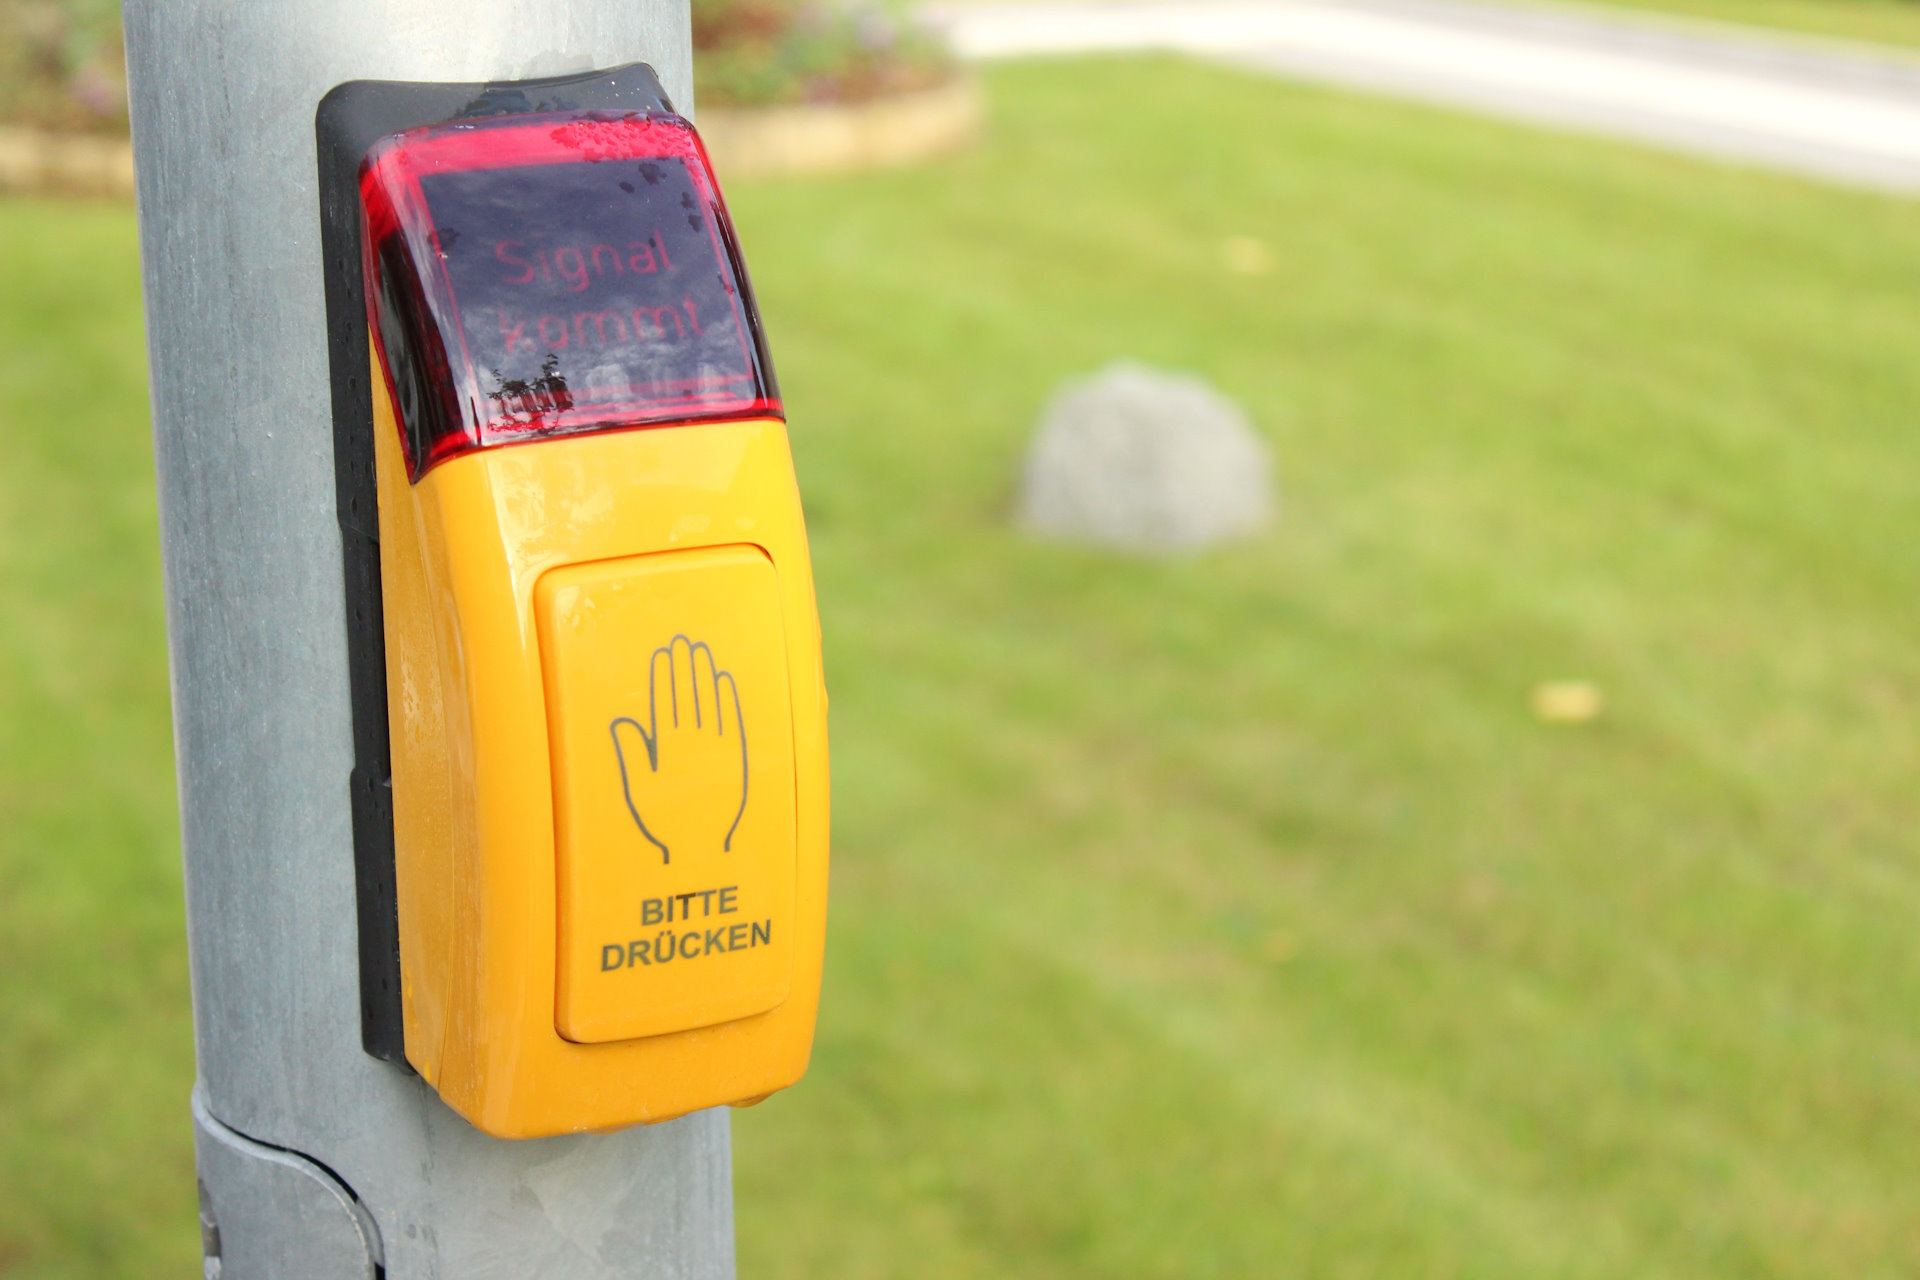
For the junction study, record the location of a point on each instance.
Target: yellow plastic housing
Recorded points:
(551, 609)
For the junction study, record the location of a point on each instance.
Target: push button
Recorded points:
(671, 726)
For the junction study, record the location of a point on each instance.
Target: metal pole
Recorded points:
(316, 1160)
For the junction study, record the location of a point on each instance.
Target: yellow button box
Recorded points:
(672, 734)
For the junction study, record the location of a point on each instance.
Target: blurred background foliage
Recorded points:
(752, 53)
(61, 65)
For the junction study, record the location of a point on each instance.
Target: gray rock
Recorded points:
(1143, 460)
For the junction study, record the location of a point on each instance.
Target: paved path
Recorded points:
(1842, 112)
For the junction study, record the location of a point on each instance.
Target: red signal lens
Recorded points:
(530, 277)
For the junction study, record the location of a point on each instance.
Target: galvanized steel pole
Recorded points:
(317, 1161)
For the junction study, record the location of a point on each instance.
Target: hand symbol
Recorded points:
(684, 772)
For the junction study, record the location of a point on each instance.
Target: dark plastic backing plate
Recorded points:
(350, 120)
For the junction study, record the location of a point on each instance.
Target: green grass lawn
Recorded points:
(96, 1057)
(1229, 916)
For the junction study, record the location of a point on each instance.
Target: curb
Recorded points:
(842, 137)
(35, 162)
